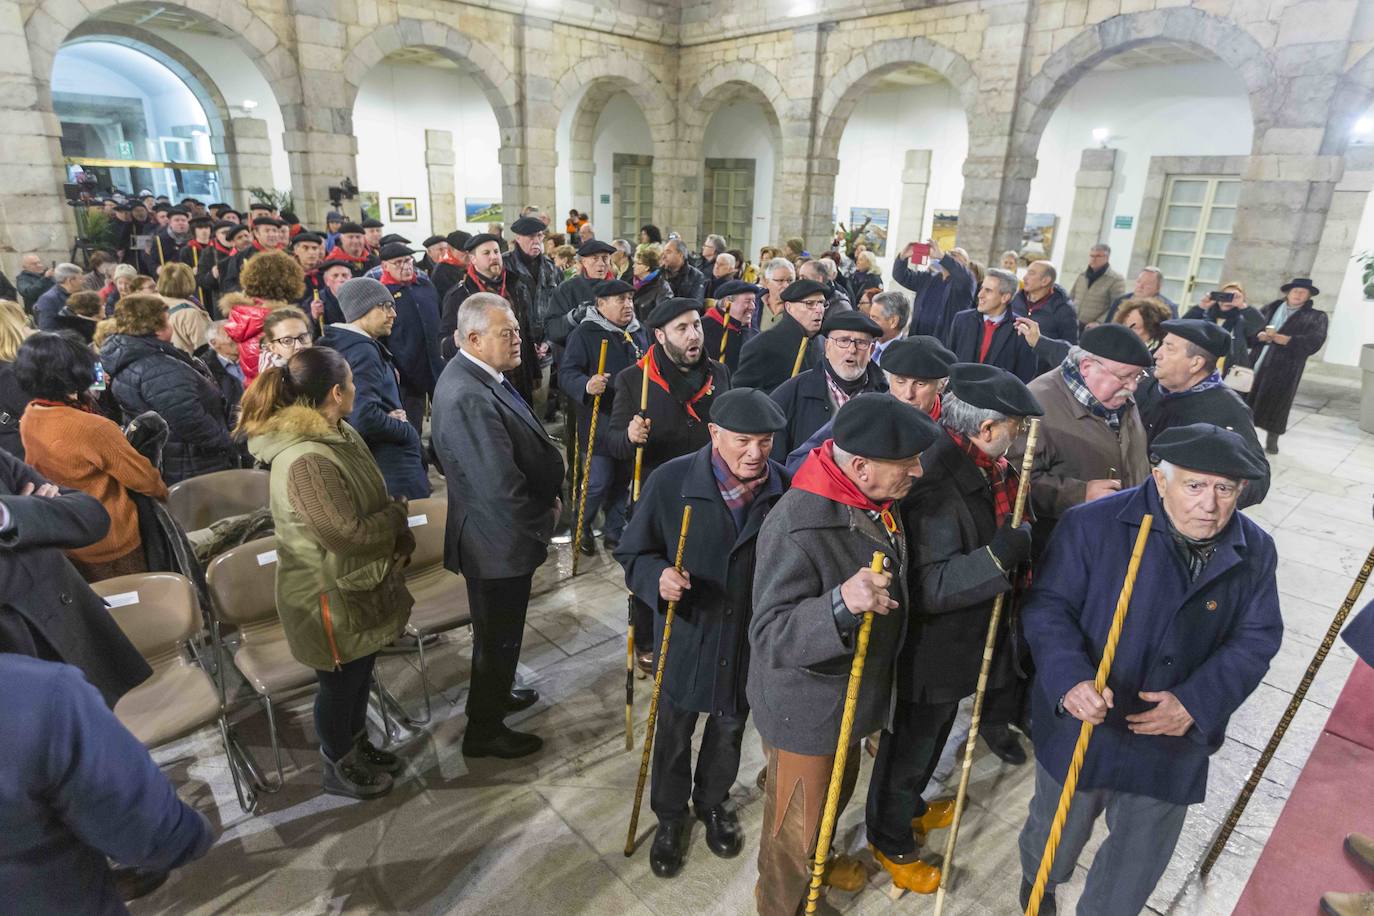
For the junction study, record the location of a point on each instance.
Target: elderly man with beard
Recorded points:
(964, 552)
(768, 360)
(728, 325)
(683, 383)
(810, 400)
(730, 484)
(414, 340)
(1203, 626)
(810, 594)
(486, 273)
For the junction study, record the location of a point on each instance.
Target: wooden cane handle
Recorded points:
(801, 354)
(601, 361)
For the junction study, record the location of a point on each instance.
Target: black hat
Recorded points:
(919, 356)
(735, 288)
(393, 237)
(993, 388)
(306, 237)
(459, 239)
(178, 211)
(161, 208)
(290, 218)
(259, 205)
(350, 229)
(669, 309)
(1205, 334)
(1299, 283)
(879, 426)
(528, 225)
(198, 221)
(239, 227)
(335, 262)
(434, 240)
(1116, 342)
(850, 320)
(480, 238)
(798, 290)
(268, 221)
(395, 250)
(594, 247)
(1210, 449)
(748, 411)
(124, 208)
(612, 286)
(225, 224)
(371, 223)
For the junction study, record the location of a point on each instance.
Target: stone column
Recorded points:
(805, 187)
(443, 205)
(912, 215)
(528, 156)
(319, 141)
(1343, 217)
(246, 151)
(1087, 221)
(583, 173)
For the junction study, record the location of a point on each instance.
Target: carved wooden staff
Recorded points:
(630, 599)
(801, 354)
(989, 644)
(587, 461)
(658, 686)
(1229, 825)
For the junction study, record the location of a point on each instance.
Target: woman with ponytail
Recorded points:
(341, 546)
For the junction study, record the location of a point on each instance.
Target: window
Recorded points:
(1196, 219)
(634, 193)
(727, 205)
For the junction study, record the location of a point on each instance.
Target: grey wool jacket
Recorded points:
(799, 667)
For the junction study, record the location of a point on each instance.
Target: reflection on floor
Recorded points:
(545, 835)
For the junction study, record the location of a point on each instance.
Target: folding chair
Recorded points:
(199, 502)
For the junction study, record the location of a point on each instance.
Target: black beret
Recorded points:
(876, 425)
(669, 309)
(481, 238)
(1209, 449)
(306, 237)
(850, 320)
(177, 211)
(1205, 334)
(123, 208)
(798, 290)
(259, 205)
(393, 237)
(239, 227)
(161, 208)
(919, 356)
(993, 388)
(335, 262)
(197, 221)
(528, 225)
(748, 411)
(290, 218)
(595, 247)
(350, 229)
(612, 286)
(395, 250)
(434, 240)
(371, 223)
(459, 239)
(735, 288)
(268, 221)
(1116, 342)
(189, 200)
(226, 224)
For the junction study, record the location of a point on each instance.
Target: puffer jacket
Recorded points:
(340, 592)
(148, 374)
(244, 327)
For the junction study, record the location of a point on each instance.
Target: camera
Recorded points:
(344, 190)
(1227, 296)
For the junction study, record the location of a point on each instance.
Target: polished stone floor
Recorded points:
(545, 835)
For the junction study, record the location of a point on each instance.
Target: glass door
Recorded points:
(1194, 233)
(728, 200)
(634, 193)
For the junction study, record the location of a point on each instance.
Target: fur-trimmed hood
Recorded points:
(287, 427)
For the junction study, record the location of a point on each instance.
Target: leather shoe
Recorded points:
(1047, 904)
(521, 698)
(1348, 904)
(588, 546)
(670, 848)
(504, 743)
(724, 837)
(845, 873)
(1003, 743)
(915, 876)
(1360, 848)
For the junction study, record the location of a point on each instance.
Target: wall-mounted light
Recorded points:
(1101, 135)
(248, 105)
(1361, 129)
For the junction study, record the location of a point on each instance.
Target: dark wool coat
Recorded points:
(525, 377)
(1219, 406)
(689, 283)
(46, 609)
(1242, 324)
(805, 401)
(672, 431)
(1208, 642)
(1276, 382)
(414, 338)
(578, 365)
(766, 361)
(539, 280)
(13, 400)
(708, 652)
(1008, 349)
(565, 307)
(938, 299)
(1057, 319)
(713, 332)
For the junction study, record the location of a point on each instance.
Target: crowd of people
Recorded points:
(808, 412)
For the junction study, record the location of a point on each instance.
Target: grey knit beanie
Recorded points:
(361, 295)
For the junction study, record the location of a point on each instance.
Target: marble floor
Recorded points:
(545, 835)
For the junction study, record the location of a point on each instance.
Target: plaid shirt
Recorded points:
(1079, 389)
(738, 494)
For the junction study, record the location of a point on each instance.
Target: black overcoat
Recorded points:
(805, 401)
(766, 361)
(578, 365)
(672, 431)
(1008, 349)
(1276, 382)
(526, 376)
(713, 331)
(1219, 406)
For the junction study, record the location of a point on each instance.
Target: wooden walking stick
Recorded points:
(1085, 731)
(587, 460)
(630, 600)
(989, 644)
(1233, 818)
(725, 338)
(801, 354)
(658, 686)
(639, 451)
(832, 793)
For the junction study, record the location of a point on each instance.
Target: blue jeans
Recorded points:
(608, 487)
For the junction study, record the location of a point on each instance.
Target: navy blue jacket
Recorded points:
(1057, 318)
(47, 307)
(394, 443)
(1359, 633)
(578, 365)
(937, 300)
(76, 790)
(766, 360)
(1208, 642)
(414, 338)
(1008, 349)
(713, 332)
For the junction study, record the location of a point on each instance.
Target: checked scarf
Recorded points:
(1210, 382)
(1001, 478)
(1079, 389)
(738, 494)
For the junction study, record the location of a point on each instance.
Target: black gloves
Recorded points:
(1011, 546)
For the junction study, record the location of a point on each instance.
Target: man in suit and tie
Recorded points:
(988, 335)
(504, 475)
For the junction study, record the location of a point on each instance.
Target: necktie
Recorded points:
(505, 383)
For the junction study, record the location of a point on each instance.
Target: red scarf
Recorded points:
(1001, 478)
(715, 315)
(482, 282)
(820, 474)
(221, 249)
(338, 254)
(935, 409)
(389, 280)
(449, 257)
(649, 363)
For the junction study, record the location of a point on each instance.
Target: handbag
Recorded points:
(1241, 379)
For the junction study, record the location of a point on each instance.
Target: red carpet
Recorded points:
(1334, 796)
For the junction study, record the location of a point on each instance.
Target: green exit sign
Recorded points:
(1123, 222)
(126, 149)
(605, 198)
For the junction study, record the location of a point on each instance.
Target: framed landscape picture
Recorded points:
(370, 204)
(402, 209)
(481, 210)
(944, 227)
(874, 223)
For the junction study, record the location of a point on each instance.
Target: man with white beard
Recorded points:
(810, 400)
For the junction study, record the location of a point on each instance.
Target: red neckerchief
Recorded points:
(715, 315)
(935, 409)
(337, 253)
(389, 280)
(221, 248)
(482, 286)
(199, 246)
(259, 246)
(75, 405)
(650, 366)
(820, 474)
(448, 257)
(1001, 478)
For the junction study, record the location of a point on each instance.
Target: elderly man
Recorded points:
(351, 245)
(1044, 314)
(728, 325)
(576, 296)
(33, 280)
(685, 280)
(612, 322)
(731, 484)
(372, 239)
(1098, 287)
(723, 271)
(988, 334)
(527, 266)
(943, 288)
(824, 272)
(1202, 627)
(892, 312)
(778, 274)
(168, 241)
(414, 340)
(963, 552)
(504, 474)
(712, 247)
(771, 358)
(809, 600)
(487, 274)
(452, 265)
(67, 279)
(810, 400)
(436, 247)
(1187, 389)
(585, 232)
(1147, 286)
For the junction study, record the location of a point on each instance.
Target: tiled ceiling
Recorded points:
(424, 57)
(913, 75)
(1162, 53)
(174, 18)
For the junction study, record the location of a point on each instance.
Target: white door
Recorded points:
(1194, 232)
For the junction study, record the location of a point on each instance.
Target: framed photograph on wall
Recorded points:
(944, 227)
(481, 210)
(1037, 238)
(873, 221)
(402, 209)
(370, 204)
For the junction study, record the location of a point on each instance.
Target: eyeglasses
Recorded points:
(813, 305)
(1133, 375)
(388, 307)
(506, 334)
(300, 340)
(858, 344)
